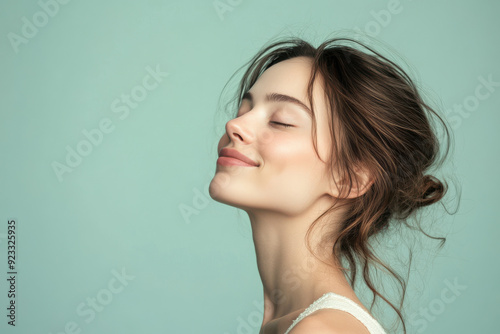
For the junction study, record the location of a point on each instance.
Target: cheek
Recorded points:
(293, 160)
(290, 149)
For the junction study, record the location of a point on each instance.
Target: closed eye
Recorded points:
(283, 124)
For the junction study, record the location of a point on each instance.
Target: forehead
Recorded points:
(291, 75)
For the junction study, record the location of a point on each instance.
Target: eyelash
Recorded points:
(283, 124)
(277, 123)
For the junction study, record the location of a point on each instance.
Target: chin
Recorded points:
(226, 195)
(222, 193)
(217, 186)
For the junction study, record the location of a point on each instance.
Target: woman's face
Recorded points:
(289, 177)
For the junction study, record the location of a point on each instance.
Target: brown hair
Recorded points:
(381, 123)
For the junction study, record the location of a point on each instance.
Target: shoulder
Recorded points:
(329, 321)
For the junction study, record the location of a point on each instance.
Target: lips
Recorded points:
(232, 153)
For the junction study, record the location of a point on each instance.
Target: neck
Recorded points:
(292, 277)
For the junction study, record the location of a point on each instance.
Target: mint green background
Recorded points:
(120, 207)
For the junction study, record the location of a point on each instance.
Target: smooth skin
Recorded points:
(283, 195)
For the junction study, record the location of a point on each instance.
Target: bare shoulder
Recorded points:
(329, 321)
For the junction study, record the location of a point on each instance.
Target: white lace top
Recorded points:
(338, 302)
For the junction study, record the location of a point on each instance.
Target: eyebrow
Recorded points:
(276, 97)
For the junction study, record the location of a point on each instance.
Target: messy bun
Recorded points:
(432, 190)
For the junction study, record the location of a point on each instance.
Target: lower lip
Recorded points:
(227, 161)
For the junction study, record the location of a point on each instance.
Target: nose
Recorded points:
(239, 129)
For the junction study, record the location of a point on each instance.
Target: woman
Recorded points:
(328, 146)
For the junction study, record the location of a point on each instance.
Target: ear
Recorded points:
(361, 182)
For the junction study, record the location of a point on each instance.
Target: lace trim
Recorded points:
(335, 301)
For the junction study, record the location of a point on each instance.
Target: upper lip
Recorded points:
(229, 152)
